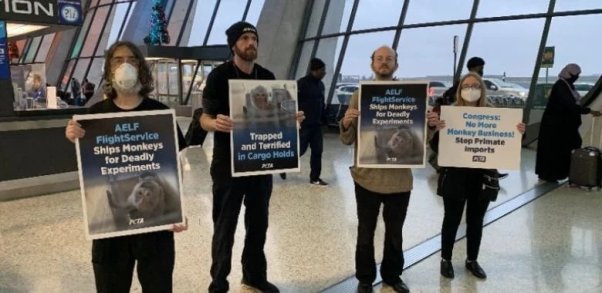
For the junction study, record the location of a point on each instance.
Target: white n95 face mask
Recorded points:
(471, 95)
(125, 77)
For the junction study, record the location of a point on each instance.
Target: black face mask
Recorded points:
(480, 72)
(572, 79)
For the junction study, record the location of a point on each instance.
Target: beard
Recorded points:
(249, 54)
(383, 72)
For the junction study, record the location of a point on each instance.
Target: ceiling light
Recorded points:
(16, 29)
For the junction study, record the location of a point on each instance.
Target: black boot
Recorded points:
(447, 270)
(364, 288)
(474, 267)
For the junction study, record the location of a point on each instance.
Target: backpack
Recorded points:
(195, 135)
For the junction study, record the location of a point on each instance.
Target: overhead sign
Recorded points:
(547, 58)
(64, 12)
(4, 61)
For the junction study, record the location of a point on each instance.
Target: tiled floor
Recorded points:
(553, 244)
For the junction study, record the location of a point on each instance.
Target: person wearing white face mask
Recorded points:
(462, 186)
(128, 81)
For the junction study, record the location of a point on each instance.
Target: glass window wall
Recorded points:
(493, 8)
(437, 10)
(509, 49)
(383, 13)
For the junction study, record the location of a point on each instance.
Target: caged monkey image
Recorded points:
(151, 201)
(398, 145)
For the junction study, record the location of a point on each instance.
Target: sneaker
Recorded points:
(265, 287)
(283, 176)
(318, 182)
(502, 175)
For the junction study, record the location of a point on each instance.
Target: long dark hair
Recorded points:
(144, 74)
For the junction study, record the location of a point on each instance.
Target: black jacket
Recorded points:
(457, 183)
(311, 100)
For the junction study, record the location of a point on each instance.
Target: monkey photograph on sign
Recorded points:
(142, 201)
(400, 145)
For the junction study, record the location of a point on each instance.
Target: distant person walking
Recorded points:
(311, 102)
(76, 90)
(88, 90)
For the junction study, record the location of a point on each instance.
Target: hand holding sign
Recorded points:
(74, 131)
(223, 123)
(434, 121)
(350, 115)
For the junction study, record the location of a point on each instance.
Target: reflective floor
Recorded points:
(553, 244)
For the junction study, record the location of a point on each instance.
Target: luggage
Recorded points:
(586, 164)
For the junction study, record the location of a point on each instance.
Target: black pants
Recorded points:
(113, 260)
(394, 214)
(475, 212)
(312, 136)
(228, 195)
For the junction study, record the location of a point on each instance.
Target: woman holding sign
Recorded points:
(128, 81)
(472, 187)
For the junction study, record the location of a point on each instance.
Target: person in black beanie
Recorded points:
(235, 31)
(229, 193)
(311, 102)
(474, 64)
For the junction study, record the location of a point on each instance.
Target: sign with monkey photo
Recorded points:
(129, 173)
(480, 137)
(265, 137)
(392, 124)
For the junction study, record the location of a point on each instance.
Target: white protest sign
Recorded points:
(480, 137)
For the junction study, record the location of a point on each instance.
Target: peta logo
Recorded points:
(136, 221)
(69, 13)
(480, 159)
(27, 7)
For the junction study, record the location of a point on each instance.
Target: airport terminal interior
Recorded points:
(538, 236)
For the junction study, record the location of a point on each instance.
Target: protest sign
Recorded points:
(480, 137)
(392, 124)
(265, 136)
(129, 173)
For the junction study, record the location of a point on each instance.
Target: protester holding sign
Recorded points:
(230, 192)
(390, 187)
(473, 187)
(128, 81)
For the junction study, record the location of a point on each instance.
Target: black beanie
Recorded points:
(238, 29)
(316, 63)
(474, 62)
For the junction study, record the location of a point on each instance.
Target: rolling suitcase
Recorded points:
(586, 164)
